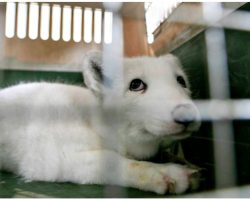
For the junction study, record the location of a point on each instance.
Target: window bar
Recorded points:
(27, 19)
(61, 23)
(92, 24)
(102, 27)
(15, 29)
(39, 21)
(50, 20)
(83, 24)
(71, 22)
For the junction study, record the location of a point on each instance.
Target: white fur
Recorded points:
(58, 132)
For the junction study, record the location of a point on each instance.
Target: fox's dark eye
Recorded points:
(181, 81)
(137, 85)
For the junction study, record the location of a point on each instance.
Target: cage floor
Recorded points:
(13, 186)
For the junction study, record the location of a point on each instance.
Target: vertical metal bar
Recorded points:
(224, 152)
(113, 69)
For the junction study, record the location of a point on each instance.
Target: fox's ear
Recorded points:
(93, 72)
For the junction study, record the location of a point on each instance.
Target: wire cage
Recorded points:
(46, 41)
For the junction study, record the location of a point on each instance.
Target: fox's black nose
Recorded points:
(184, 114)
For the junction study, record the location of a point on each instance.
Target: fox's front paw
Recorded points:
(169, 178)
(178, 178)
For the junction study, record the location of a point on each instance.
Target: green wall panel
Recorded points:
(199, 148)
(12, 77)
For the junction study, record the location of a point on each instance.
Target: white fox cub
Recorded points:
(59, 132)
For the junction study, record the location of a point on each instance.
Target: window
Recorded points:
(97, 22)
(155, 13)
